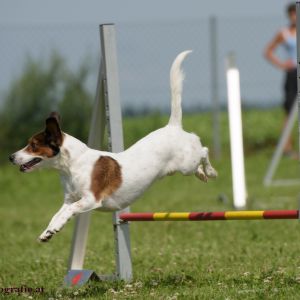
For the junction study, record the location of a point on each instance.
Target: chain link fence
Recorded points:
(146, 51)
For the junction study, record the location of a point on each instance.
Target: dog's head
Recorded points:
(42, 149)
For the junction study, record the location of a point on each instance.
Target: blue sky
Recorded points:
(40, 11)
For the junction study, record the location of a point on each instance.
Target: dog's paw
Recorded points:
(200, 174)
(46, 236)
(211, 172)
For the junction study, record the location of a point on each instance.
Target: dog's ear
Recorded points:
(53, 132)
(55, 115)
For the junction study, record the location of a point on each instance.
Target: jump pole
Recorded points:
(212, 216)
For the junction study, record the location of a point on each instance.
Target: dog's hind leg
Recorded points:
(208, 169)
(200, 174)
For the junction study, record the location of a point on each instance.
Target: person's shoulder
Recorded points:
(285, 32)
(282, 34)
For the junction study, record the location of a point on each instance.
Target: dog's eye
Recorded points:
(33, 146)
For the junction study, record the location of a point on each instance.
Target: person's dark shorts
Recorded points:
(290, 90)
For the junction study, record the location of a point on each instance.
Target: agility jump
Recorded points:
(107, 115)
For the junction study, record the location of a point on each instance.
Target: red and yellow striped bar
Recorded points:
(212, 216)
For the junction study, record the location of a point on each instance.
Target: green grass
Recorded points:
(192, 260)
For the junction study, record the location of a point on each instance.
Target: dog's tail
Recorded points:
(176, 80)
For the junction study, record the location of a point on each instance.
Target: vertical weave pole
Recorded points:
(236, 133)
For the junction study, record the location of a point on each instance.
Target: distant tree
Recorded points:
(41, 88)
(75, 104)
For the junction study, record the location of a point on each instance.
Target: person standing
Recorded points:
(286, 38)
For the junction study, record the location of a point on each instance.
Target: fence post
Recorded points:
(214, 85)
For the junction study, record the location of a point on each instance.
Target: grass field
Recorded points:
(192, 260)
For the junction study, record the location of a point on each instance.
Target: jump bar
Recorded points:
(212, 216)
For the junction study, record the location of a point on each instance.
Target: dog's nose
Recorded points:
(12, 158)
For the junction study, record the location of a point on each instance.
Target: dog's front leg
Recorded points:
(47, 232)
(64, 215)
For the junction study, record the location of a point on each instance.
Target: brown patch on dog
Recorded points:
(106, 177)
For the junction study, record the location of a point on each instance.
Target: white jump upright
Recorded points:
(106, 113)
(236, 134)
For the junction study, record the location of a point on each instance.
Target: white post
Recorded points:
(236, 134)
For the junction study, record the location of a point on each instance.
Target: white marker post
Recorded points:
(236, 134)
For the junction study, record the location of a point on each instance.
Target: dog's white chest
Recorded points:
(73, 187)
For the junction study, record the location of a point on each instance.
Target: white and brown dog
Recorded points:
(107, 181)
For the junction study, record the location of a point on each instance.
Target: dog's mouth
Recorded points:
(29, 165)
